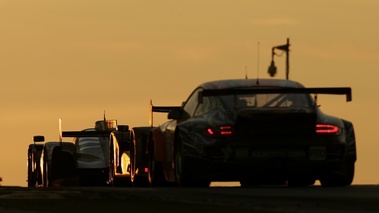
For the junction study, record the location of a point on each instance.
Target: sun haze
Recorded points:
(75, 59)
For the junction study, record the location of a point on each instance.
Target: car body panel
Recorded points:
(54, 166)
(92, 152)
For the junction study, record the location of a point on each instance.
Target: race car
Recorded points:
(138, 148)
(255, 131)
(33, 161)
(94, 158)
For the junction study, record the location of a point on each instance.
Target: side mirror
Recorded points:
(38, 138)
(177, 114)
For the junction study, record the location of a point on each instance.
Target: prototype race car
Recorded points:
(94, 158)
(33, 162)
(255, 131)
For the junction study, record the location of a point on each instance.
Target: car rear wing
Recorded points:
(106, 130)
(316, 90)
(76, 134)
(162, 109)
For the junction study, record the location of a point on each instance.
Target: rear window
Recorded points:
(266, 100)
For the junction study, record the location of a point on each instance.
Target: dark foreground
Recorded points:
(353, 199)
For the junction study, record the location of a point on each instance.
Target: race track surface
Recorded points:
(264, 199)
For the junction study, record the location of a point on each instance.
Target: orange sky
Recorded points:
(73, 59)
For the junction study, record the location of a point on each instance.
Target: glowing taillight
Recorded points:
(327, 129)
(222, 130)
(146, 169)
(226, 130)
(210, 131)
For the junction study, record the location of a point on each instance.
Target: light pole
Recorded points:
(272, 67)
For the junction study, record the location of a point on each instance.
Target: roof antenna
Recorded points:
(60, 130)
(258, 65)
(245, 72)
(105, 121)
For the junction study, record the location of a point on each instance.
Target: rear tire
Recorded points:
(344, 178)
(155, 173)
(138, 157)
(31, 174)
(182, 178)
(183, 170)
(111, 171)
(46, 170)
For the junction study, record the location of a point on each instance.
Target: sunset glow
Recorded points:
(75, 59)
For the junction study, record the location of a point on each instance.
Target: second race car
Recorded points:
(255, 131)
(96, 157)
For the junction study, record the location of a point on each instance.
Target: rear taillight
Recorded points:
(327, 129)
(220, 131)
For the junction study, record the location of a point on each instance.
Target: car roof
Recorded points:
(243, 83)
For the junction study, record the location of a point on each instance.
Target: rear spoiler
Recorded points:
(163, 109)
(86, 133)
(97, 133)
(316, 90)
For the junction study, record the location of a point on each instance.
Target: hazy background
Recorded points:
(73, 59)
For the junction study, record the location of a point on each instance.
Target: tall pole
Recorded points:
(272, 67)
(287, 59)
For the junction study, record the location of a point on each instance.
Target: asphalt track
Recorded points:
(262, 199)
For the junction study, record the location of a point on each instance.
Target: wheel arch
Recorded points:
(114, 149)
(350, 140)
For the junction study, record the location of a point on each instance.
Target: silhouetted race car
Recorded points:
(94, 158)
(33, 162)
(138, 148)
(257, 132)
